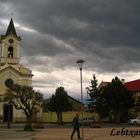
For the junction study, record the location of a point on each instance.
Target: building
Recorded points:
(103, 84)
(133, 86)
(11, 71)
(76, 105)
(51, 117)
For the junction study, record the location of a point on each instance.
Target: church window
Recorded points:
(10, 51)
(9, 83)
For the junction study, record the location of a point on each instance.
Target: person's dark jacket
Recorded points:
(75, 122)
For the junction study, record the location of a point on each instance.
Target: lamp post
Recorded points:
(80, 64)
(87, 107)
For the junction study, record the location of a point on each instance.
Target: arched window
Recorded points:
(10, 51)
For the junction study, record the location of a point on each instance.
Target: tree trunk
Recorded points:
(59, 118)
(28, 125)
(117, 116)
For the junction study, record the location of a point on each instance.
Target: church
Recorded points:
(11, 72)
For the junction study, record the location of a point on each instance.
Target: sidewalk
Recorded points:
(54, 133)
(14, 134)
(89, 134)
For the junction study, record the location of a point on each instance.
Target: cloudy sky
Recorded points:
(56, 33)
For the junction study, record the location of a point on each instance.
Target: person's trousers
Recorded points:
(78, 132)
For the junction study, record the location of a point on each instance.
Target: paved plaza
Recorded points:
(53, 133)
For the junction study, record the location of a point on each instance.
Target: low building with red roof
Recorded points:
(133, 86)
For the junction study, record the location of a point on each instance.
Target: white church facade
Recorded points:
(11, 72)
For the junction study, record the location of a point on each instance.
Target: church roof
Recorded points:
(11, 28)
(17, 68)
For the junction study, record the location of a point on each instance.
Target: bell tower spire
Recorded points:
(11, 28)
(10, 45)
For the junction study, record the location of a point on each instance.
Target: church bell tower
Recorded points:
(10, 46)
(11, 71)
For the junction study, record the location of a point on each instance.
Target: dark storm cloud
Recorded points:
(103, 32)
(109, 22)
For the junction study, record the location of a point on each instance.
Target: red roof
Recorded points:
(133, 85)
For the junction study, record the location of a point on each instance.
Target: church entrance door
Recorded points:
(7, 113)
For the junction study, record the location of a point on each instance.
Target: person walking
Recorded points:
(76, 126)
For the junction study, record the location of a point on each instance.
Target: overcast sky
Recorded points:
(56, 33)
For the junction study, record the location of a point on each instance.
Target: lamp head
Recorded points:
(80, 63)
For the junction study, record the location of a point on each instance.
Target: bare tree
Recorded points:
(27, 99)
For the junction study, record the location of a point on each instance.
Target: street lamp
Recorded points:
(80, 64)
